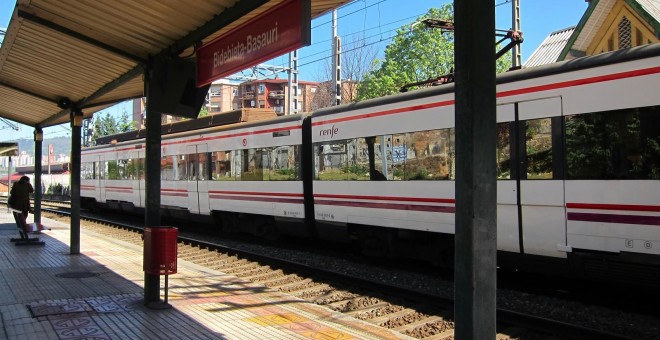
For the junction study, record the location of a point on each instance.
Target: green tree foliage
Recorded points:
(106, 125)
(203, 112)
(417, 53)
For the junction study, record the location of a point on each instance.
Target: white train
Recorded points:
(578, 160)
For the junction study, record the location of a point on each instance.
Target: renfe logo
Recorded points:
(332, 131)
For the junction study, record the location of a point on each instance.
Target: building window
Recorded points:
(262, 88)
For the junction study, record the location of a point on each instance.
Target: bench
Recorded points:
(24, 229)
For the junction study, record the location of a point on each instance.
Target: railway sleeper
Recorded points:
(401, 314)
(248, 267)
(420, 323)
(312, 293)
(334, 296)
(360, 305)
(265, 276)
(448, 334)
(296, 286)
(282, 281)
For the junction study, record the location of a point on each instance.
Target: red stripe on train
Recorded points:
(390, 198)
(611, 218)
(622, 207)
(389, 206)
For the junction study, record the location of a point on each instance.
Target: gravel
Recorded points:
(637, 326)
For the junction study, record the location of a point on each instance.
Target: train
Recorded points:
(578, 171)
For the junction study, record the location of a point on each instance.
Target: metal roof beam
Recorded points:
(109, 102)
(86, 102)
(218, 22)
(43, 22)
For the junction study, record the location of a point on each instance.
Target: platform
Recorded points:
(46, 293)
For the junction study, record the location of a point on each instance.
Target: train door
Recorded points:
(138, 177)
(203, 176)
(90, 186)
(105, 174)
(508, 236)
(191, 176)
(538, 172)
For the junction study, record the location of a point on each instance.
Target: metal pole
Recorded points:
(515, 51)
(152, 185)
(38, 145)
(336, 64)
(292, 94)
(476, 186)
(8, 180)
(76, 142)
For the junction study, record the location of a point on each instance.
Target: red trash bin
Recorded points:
(160, 250)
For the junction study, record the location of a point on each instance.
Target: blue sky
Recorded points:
(378, 20)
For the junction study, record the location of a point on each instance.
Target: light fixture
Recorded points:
(76, 117)
(64, 103)
(38, 135)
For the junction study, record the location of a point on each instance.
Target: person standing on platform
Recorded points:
(19, 196)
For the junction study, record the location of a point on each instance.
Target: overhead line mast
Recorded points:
(514, 36)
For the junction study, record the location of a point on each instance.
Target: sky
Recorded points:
(376, 21)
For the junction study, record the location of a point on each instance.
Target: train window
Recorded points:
(122, 172)
(503, 155)
(331, 161)
(621, 144)
(224, 167)
(180, 167)
(112, 169)
(87, 170)
(358, 159)
(284, 162)
(168, 168)
(103, 170)
(424, 155)
(139, 167)
(252, 165)
(538, 148)
(383, 158)
(190, 164)
(202, 165)
(282, 133)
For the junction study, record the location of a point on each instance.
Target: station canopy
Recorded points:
(94, 52)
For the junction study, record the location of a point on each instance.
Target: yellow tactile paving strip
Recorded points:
(206, 304)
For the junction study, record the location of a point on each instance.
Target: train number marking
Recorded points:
(244, 141)
(648, 244)
(629, 244)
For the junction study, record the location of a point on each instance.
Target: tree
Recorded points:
(416, 54)
(106, 125)
(356, 58)
(203, 112)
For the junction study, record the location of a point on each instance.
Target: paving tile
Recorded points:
(36, 303)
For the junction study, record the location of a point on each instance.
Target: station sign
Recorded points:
(281, 29)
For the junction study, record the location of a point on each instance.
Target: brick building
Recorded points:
(273, 93)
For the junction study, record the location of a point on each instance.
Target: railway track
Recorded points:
(412, 313)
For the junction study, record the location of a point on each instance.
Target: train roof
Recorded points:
(193, 126)
(603, 59)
